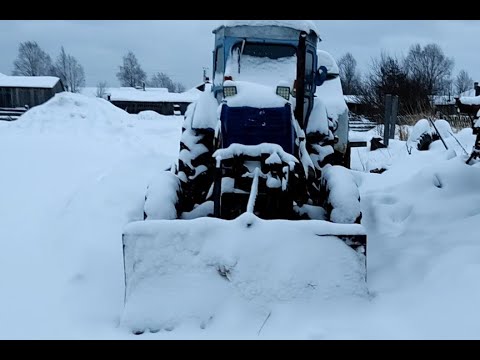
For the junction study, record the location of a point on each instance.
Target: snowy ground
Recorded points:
(75, 171)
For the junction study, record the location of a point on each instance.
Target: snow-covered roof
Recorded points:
(470, 100)
(151, 95)
(353, 99)
(301, 25)
(47, 82)
(468, 93)
(443, 100)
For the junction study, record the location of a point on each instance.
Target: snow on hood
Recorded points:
(301, 25)
(254, 95)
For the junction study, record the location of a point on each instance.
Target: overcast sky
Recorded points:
(181, 48)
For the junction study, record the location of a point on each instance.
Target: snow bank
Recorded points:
(89, 91)
(191, 271)
(77, 181)
(76, 173)
(68, 111)
(423, 246)
(302, 25)
(68, 114)
(152, 116)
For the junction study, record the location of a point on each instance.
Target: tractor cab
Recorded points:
(255, 77)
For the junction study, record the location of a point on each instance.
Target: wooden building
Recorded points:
(27, 91)
(134, 100)
(356, 104)
(469, 103)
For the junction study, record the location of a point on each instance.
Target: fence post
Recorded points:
(393, 117)
(386, 122)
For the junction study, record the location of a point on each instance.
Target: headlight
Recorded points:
(229, 91)
(284, 92)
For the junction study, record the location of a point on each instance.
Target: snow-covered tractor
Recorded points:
(470, 105)
(264, 148)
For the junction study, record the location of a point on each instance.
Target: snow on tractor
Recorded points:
(262, 167)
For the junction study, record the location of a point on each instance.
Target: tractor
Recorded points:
(266, 142)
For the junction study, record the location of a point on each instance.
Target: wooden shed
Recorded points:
(134, 100)
(27, 91)
(356, 104)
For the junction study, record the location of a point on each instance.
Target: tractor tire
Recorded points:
(163, 197)
(195, 165)
(425, 140)
(340, 194)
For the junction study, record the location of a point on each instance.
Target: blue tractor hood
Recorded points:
(254, 126)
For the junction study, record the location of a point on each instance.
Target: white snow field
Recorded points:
(74, 174)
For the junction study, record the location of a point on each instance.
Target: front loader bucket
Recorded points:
(184, 272)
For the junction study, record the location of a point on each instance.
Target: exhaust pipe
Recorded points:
(300, 87)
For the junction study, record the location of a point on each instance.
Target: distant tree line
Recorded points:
(131, 74)
(424, 72)
(32, 60)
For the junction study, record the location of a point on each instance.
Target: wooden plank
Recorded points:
(388, 119)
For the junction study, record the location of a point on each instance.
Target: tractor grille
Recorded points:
(252, 126)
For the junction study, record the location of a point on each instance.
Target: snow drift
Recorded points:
(70, 184)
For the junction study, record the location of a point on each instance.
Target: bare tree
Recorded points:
(388, 76)
(102, 89)
(131, 73)
(446, 87)
(77, 75)
(430, 66)
(69, 71)
(463, 82)
(179, 87)
(162, 80)
(32, 60)
(349, 75)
